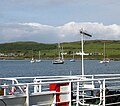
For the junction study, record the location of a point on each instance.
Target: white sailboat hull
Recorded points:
(72, 60)
(58, 61)
(32, 61)
(38, 61)
(104, 61)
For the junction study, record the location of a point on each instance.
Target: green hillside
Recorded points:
(22, 50)
(24, 46)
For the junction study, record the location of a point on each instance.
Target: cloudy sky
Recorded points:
(51, 21)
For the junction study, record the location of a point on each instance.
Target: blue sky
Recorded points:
(50, 21)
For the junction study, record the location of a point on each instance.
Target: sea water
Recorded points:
(23, 68)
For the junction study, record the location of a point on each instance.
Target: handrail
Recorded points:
(80, 87)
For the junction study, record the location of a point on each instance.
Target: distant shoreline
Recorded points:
(12, 58)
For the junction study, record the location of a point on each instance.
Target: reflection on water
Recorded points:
(15, 68)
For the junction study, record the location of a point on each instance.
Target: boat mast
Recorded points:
(59, 50)
(32, 53)
(82, 35)
(39, 55)
(73, 55)
(62, 53)
(104, 51)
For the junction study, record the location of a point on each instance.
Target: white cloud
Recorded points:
(50, 34)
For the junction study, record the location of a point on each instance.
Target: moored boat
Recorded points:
(38, 60)
(60, 59)
(32, 60)
(105, 60)
(72, 60)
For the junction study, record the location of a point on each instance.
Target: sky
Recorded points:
(52, 21)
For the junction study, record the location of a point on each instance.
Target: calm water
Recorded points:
(15, 68)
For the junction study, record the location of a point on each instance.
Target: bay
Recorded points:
(23, 68)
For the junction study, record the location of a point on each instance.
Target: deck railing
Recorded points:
(88, 90)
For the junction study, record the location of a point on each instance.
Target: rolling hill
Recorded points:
(21, 50)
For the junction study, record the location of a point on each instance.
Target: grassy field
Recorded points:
(50, 51)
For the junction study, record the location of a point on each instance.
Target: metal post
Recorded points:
(13, 82)
(83, 96)
(77, 98)
(82, 56)
(35, 86)
(92, 80)
(5, 90)
(54, 101)
(27, 95)
(100, 92)
(82, 34)
(13, 86)
(40, 87)
(70, 93)
(104, 92)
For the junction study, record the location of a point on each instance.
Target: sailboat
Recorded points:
(60, 59)
(104, 59)
(38, 60)
(32, 60)
(72, 60)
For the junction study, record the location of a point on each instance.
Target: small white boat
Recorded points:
(37, 61)
(58, 61)
(104, 61)
(72, 60)
(32, 60)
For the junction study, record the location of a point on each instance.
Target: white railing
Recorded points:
(90, 90)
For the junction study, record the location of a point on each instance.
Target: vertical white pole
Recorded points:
(54, 101)
(5, 90)
(40, 87)
(35, 86)
(100, 93)
(82, 55)
(13, 86)
(27, 95)
(92, 81)
(70, 93)
(104, 92)
(77, 99)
